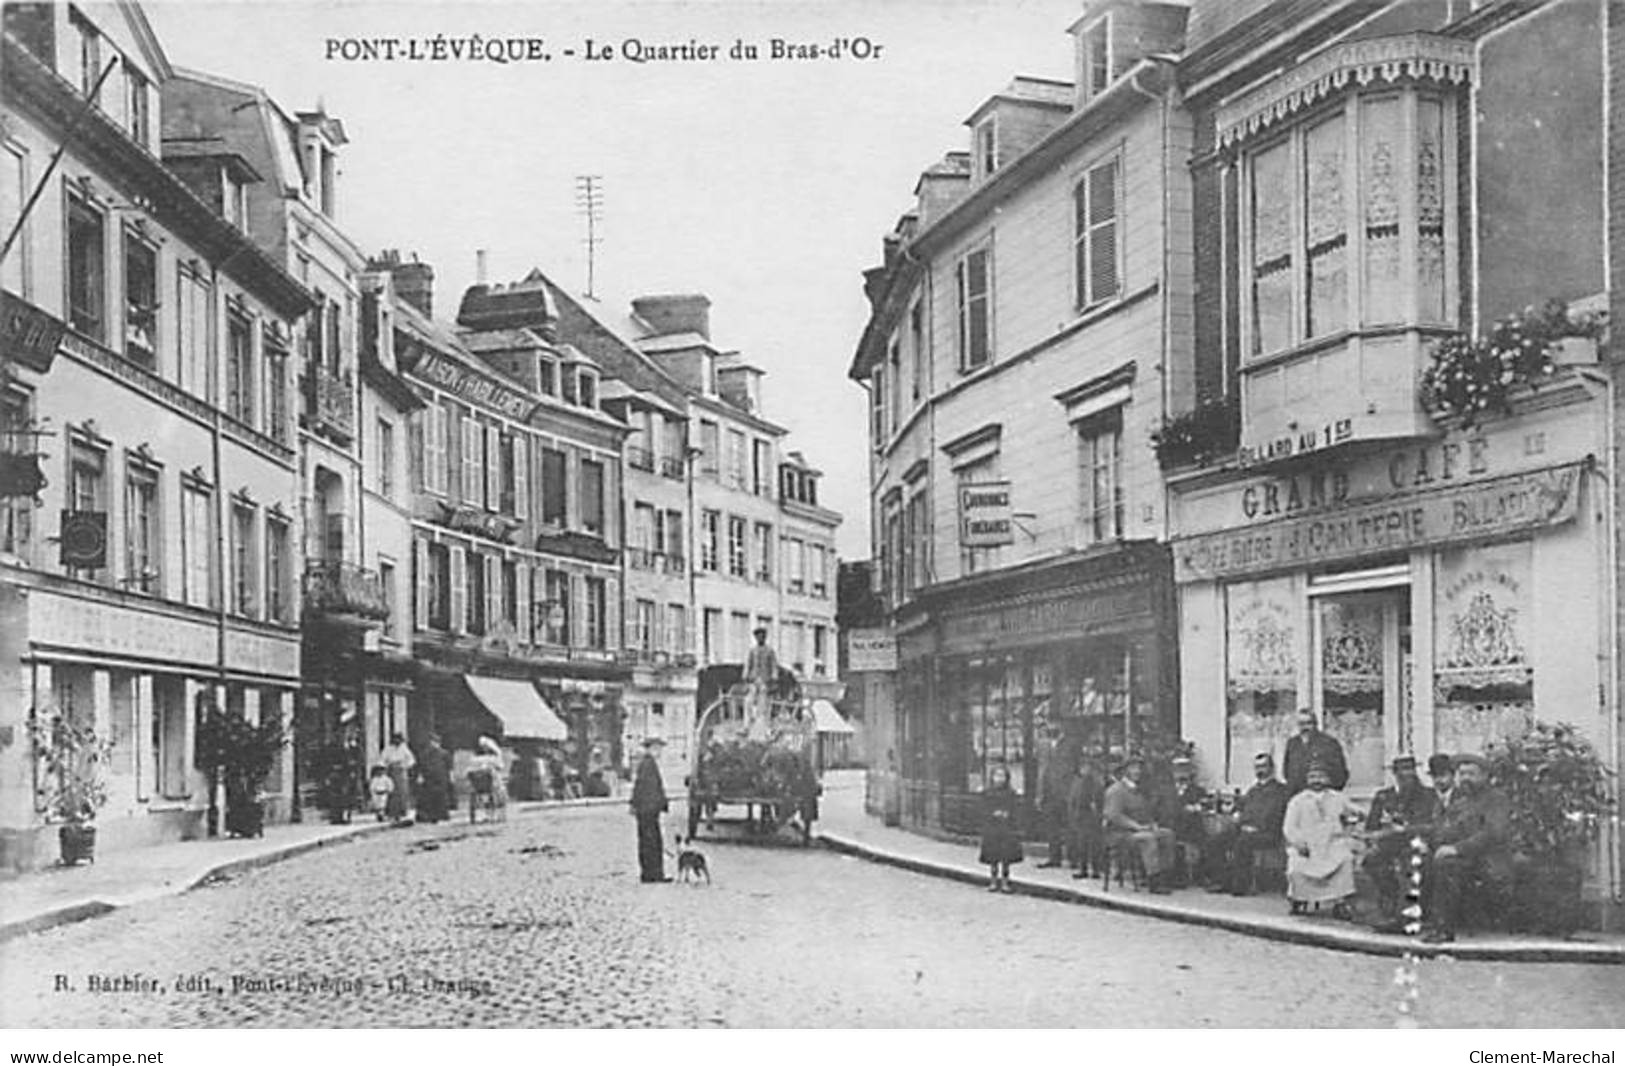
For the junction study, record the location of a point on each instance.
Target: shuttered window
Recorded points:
(554, 496)
(1095, 208)
(459, 590)
(521, 477)
(974, 285)
(493, 468)
(421, 585)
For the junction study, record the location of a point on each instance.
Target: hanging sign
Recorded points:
(984, 514)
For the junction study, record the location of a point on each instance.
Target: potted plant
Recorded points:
(1559, 790)
(1208, 431)
(72, 759)
(239, 755)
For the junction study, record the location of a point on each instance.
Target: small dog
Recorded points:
(691, 862)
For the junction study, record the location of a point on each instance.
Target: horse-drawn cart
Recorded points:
(759, 754)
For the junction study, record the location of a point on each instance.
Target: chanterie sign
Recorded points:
(1480, 510)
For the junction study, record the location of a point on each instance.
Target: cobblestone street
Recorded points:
(542, 921)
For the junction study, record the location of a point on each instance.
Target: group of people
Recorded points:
(406, 787)
(1458, 827)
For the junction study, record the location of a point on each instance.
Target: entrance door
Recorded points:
(1362, 652)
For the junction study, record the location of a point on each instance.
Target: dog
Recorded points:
(691, 863)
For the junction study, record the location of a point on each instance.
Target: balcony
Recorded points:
(640, 458)
(343, 590)
(330, 402)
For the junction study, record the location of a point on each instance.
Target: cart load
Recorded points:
(755, 750)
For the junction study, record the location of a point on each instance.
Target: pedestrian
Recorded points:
(1053, 779)
(1001, 841)
(434, 782)
(1310, 745)
(1083, 817)
(399, 761)
(648, 804)
(379, 787)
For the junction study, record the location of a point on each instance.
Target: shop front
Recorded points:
(1420, 596)
(989, 667)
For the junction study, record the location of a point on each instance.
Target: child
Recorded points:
(1001, 845)
(380, 787)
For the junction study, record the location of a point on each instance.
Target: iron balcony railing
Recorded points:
(344, 589)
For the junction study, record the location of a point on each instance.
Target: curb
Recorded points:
(1338, 939)
(71, 913)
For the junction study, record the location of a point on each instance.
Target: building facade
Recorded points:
(1372, 184)
(148, 569)
(1030, 325)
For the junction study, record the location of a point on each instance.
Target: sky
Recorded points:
(765, 184)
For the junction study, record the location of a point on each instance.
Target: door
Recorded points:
(1362, 653)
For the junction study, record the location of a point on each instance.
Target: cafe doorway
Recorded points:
(1362, 666)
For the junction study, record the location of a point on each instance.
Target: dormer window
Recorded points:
(986, 146)
(587, 388)
(140, 108)
(328, 172)
(90, 50)
(234, 201)
(547, 371)
(1095, 59)
(567, 383)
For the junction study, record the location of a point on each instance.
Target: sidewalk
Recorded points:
(844, 827)
(59, 895)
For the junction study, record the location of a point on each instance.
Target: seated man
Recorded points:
(1183, 814)
(1255, 827)
(1320, 852)
(1471, 846)
(1127, 814)
(1398, 816)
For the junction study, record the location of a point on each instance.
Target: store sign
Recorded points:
(28, 334)
(1083, 611)
(95, 626)
(472, 387)
(1290, 445)
(984, 514)
(871, 649)
(1476, 511)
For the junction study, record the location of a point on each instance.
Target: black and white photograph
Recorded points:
(811, 514)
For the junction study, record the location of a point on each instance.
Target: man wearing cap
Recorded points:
(1128, 815)
(1471, 846)
(648, 804)
(761, 674)
(1255, 827)
(1398, 814)
(1310, 745)
(1182, 812)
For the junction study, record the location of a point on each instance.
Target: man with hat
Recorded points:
(1182, 812)
(1128, 815)
(1310, 745)
(761, 674)
(1397, 815)
(1471, 846)
(1443, 774)
(1255, 827)
(648, 804)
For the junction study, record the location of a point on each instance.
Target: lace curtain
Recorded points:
(1430, 199)
(1326, 223)
(1353, 681)
(1261, 671)
(1272, 248)
(1379, 148)
(1483, 681)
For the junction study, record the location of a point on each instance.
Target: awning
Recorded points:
(828, 719)
(520, 707)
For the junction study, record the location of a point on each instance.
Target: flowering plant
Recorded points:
(1469, 378)
(1209, 430)
(1558, 785)
(73, 759)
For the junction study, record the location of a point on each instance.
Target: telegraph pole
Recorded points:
(590, 202)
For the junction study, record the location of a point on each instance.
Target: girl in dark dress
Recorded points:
(1001, 844)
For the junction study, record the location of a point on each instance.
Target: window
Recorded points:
(820, 562)
(1100, 442)
(712, 636)
(592, 496)
(472, 488)
(739, 641)
(556, 619)
(547, 376)
(894, 375)
(761, 468)
(1334, 242)
(554, 497)
(16, 272)
(736, 459)
(140, 104)
(710, 454)
(710, 540)
(276, 388)
(795, 564)
(973, 282)
(495, 461)
(386, 584)
(87, 492)
(243, 562)
(474, 596)
(332, 352)
(1095, 207)
(1095, 59)
(277, 572)
(676, 639)
(820, 650)
(917, 352)
(198, 544)
(90, 50)
(916, 562)
(764, 551)
(142, 550)
(239, 368)
(587, 388)
(140, 300)
(510, 593)
(235, 202)
(86, 270)
(877, 407)
(433, 466)
(191, 331)
(986, 139)
(17, 512)
(597, 612)
(437, 580)
(736, 546)
(386, 458)
(973, 559)
(643, 636)
(168, 743)
(327, 170)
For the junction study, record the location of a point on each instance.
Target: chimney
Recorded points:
(414, 283)
(479, 266)
(670, 314)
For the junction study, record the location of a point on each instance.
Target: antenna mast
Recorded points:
(590, 202)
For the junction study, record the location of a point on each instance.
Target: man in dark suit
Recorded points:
(1398, 815)
(648, 804)
(1310, 745)
(1471, 846)
(1255, 827)
(1128, 815)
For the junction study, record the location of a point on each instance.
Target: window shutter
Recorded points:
(578, 613)
(521, 477)
(459, 589)
(469, 491)
(437, 437)
(493, 591)
(493, 468)
(521, 597)
(420, 576)
(414, 449)
(1103, 281)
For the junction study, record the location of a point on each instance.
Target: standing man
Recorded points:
(1397, 815)
(1128, 814)
(1052, 788)
(648, 804)
(1310, 745)
(761, 674)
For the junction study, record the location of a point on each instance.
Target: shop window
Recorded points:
(1362, 648)
(87, 270)
(1261, 672)
(1483, 676)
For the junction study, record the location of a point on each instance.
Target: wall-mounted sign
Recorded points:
(1475, 511)
(83, 539)
(473, 387)
(28, 334)
(871, 649)
(984, 514)
(1290, 445)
